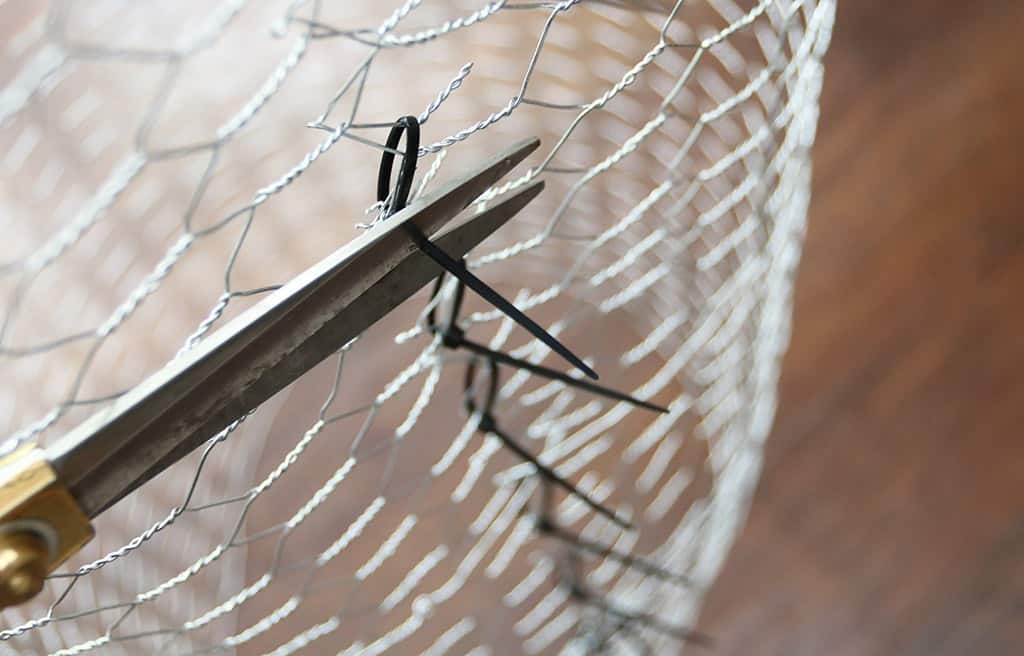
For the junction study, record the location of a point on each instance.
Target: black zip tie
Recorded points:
(596, 635)
(624, 628)
(548, 527)
(454, 337)
(488, 424)
(410, 126)
(646, 619)
(600, 636)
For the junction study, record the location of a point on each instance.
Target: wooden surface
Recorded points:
(890, 517)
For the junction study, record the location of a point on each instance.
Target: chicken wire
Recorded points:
(165, 165)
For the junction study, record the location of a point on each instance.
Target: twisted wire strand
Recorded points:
(788, 83)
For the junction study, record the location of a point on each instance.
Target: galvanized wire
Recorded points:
(677, 160)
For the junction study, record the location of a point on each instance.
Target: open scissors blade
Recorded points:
(261, 351)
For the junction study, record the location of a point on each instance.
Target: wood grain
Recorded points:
(890, 517)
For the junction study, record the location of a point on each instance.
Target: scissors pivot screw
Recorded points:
(23, 564)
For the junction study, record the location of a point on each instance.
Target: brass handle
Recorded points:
(41, 524)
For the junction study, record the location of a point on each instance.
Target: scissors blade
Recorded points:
(267, 347)
(456, 195)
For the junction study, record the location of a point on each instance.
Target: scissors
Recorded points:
(48, 495)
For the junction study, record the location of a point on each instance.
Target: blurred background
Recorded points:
(890, 515)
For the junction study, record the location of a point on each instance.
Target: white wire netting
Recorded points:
(165, 165)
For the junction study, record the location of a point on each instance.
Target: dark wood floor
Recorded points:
(890, 516)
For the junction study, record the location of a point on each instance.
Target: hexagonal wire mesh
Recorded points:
(167, 164)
